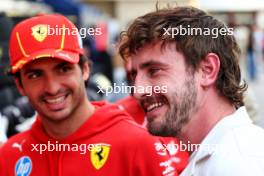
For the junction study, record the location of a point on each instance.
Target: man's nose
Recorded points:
(143, 87)
(51, 84)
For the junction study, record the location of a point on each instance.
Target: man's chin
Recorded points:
(56, 116)
(157, 128)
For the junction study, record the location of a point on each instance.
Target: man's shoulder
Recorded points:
(250, 144)
(134, 131)
(247, 140)
(239, 152)
(15, 142)
(229, 165)
(120, 120)
(121, 127)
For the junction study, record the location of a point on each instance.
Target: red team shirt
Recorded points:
(109, 143)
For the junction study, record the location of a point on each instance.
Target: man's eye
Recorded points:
(65, 69)
(33, 75)
(153, 71)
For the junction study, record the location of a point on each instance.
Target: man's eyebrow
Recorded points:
(29, 70)
(152, 63)
(61, 64)
(148, 64)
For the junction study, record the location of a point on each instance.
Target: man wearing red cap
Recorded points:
(71, 135)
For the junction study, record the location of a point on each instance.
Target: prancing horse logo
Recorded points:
(99, 155)
(40, 32)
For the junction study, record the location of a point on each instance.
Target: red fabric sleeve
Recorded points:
(150, 160)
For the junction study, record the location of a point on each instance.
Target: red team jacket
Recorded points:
(131, 105)
(109, 143)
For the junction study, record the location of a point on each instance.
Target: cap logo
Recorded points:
(40, 32)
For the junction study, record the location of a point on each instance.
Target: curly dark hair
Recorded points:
(150, 29)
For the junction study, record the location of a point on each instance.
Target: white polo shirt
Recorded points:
(234, 147)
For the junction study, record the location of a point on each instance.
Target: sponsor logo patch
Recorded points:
(23, 166)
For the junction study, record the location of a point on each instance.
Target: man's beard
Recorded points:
(179, 113)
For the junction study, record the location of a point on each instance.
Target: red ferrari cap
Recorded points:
(50, 35)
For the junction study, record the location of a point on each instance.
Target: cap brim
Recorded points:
(72, 57)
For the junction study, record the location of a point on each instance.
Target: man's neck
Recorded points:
(61, 129)
(205, 119)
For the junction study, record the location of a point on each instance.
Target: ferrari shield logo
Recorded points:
(40, 32)
(99, 155)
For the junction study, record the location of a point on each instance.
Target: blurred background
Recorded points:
(246, 17)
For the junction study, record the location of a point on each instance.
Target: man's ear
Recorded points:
(209, 69)
(86, 71)
(19, 86)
